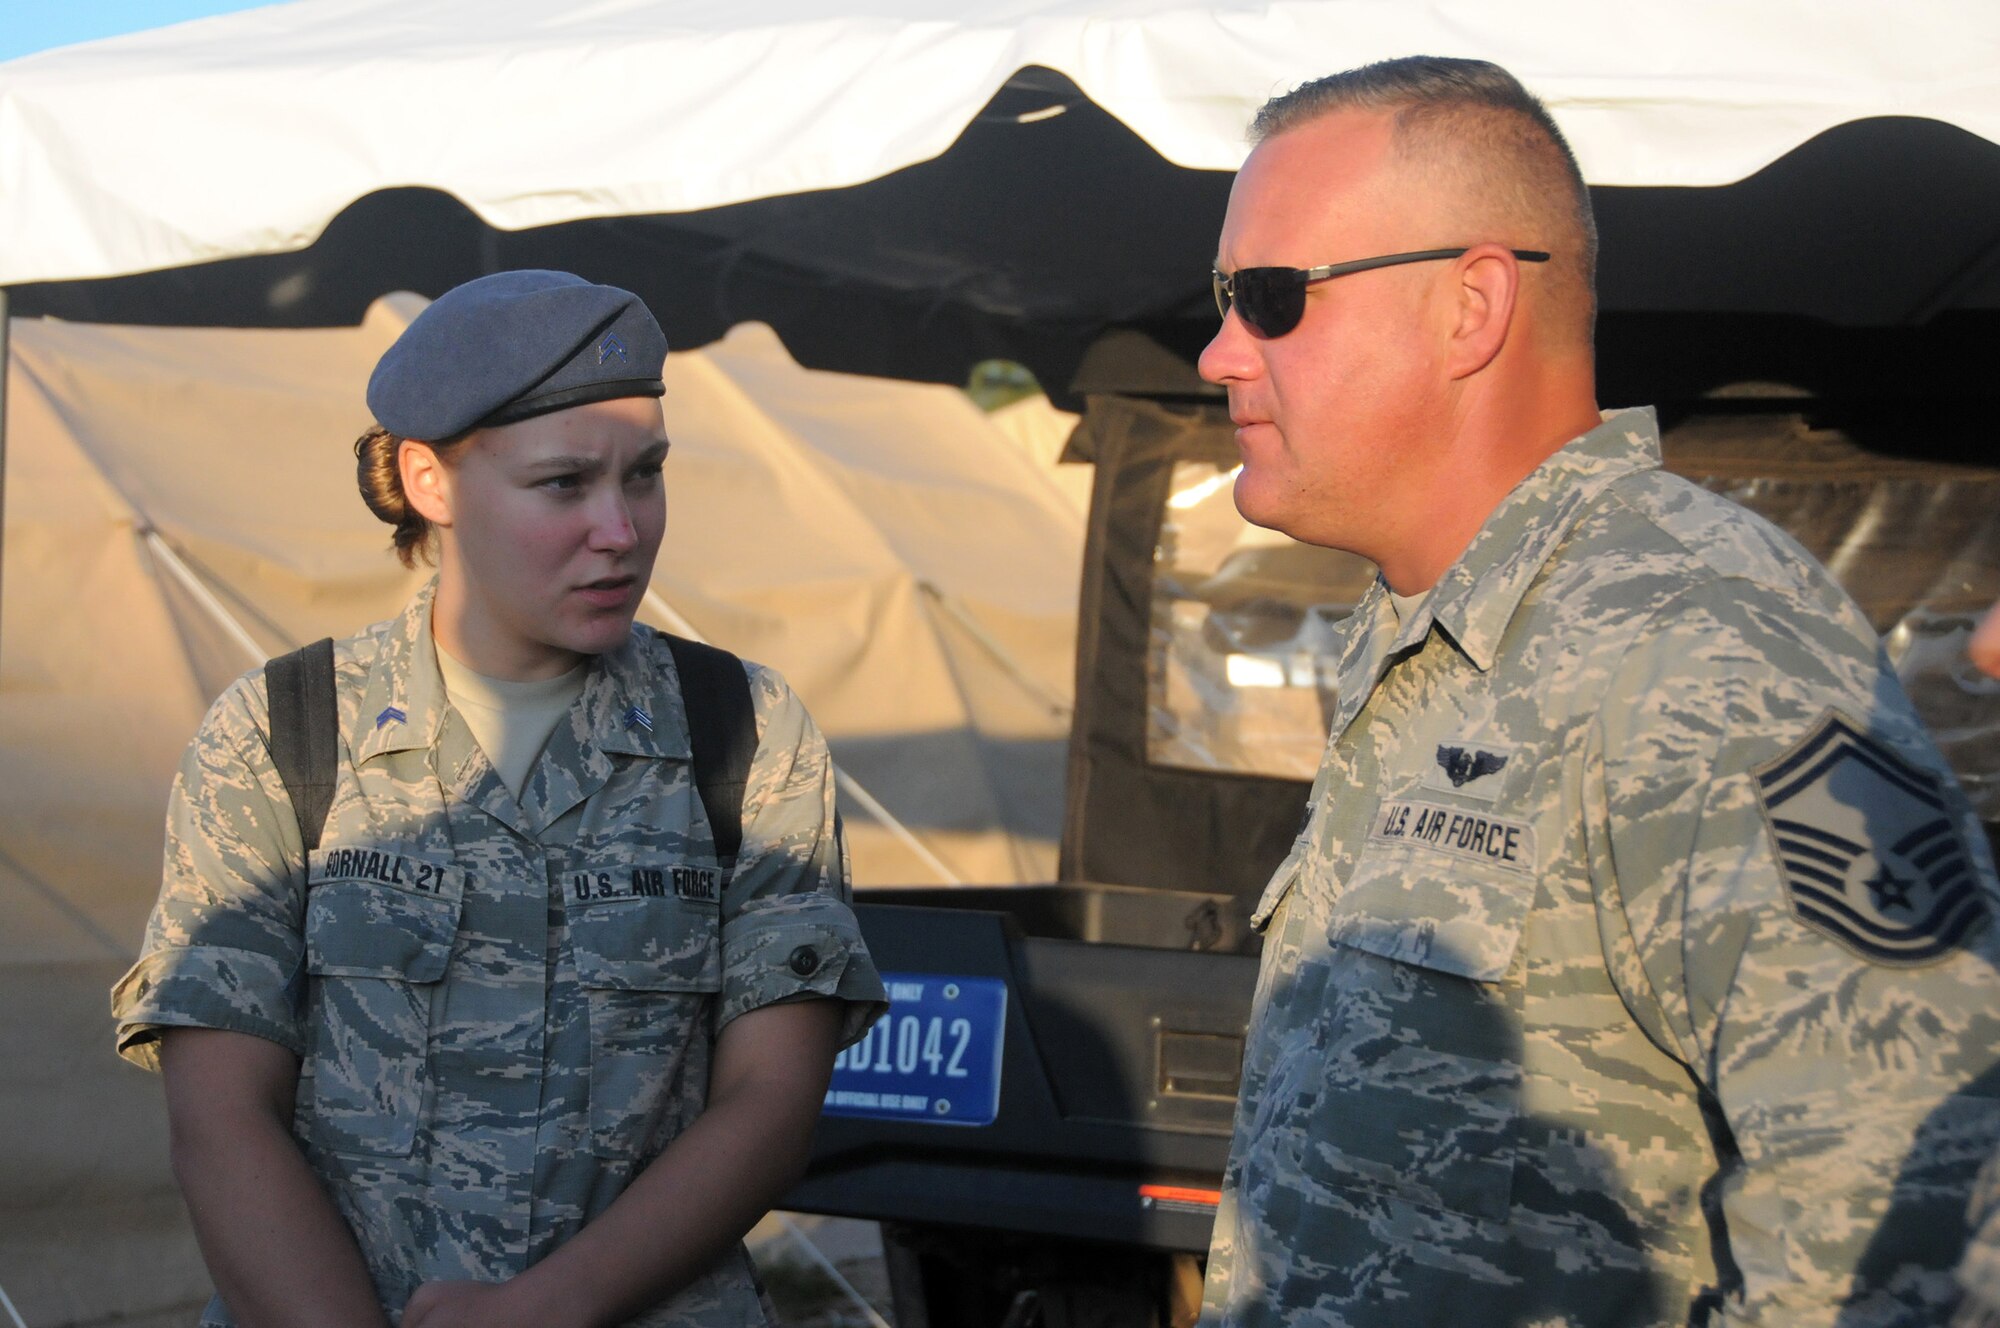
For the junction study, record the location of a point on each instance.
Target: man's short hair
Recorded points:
(1471, 121)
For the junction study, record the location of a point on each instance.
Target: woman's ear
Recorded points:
(426, 482)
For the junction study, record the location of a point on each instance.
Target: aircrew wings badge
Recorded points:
(1870, 852)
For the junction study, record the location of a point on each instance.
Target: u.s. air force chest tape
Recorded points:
(644, 924)
(1869, 849)
(1474, 836)
(696, 884)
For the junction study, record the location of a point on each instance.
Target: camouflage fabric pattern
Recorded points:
(1545, 1032)
(1979, 1271)
(504, 1008)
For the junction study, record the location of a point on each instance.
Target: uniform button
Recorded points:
(805, 961)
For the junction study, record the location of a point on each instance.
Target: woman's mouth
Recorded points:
(611, 592)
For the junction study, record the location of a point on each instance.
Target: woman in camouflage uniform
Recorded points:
(513, 1045)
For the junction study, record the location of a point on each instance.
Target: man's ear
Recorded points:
(1489, 286)
(426, 482)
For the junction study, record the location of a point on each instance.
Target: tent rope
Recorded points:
(15, 1314)
(826, 1266)
(1009, 664)
(203, 596)
(847, 783)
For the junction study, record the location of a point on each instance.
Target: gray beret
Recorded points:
(511, 346)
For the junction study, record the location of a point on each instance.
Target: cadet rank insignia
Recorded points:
(1869, 850)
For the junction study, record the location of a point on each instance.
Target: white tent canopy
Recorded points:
(246, 133)
(904, 190)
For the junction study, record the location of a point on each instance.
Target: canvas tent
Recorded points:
(898, 187)
(180, 503)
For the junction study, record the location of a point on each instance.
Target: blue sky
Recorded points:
(27, 26)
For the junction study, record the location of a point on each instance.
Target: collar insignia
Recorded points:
(635, 718)
(390, 715)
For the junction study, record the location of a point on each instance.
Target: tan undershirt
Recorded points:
(1406, 606)
(511, 720)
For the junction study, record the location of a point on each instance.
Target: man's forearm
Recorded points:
(279, 1253)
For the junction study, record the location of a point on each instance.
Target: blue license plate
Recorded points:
(934, 1057)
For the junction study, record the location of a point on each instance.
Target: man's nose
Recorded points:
(1231, 354)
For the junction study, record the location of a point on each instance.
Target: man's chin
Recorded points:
(1289, 517)
(1259, 508)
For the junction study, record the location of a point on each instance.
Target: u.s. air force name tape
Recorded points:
(1473, 836)
(388, 867)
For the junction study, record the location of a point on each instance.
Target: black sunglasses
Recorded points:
(1272, 300)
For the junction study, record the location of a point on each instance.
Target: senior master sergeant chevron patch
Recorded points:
(1870, 852)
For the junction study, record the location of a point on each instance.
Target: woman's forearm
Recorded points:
(713, 1181)
(279, 1253)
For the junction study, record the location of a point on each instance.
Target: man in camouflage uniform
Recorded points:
(505, 1003)
(1979, 1274)
(1634, 964)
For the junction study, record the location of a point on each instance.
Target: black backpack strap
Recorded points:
(722, 730)
(305, 732)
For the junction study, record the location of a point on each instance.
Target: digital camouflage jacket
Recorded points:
(1634, 965)
(504, 1008)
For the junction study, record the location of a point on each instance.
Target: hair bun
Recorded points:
(376, 472)
(379, 475)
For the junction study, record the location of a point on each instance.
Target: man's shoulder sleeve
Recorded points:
(1812, 902)
(1760, 756)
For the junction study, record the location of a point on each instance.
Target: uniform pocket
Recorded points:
(1416, 906)
(650, 967)
(1422, 1086)
(646, 944)
(379, 932)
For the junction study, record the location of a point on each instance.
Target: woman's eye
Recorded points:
(645, 476)
(562, 483)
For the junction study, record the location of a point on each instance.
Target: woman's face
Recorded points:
(548, 533)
